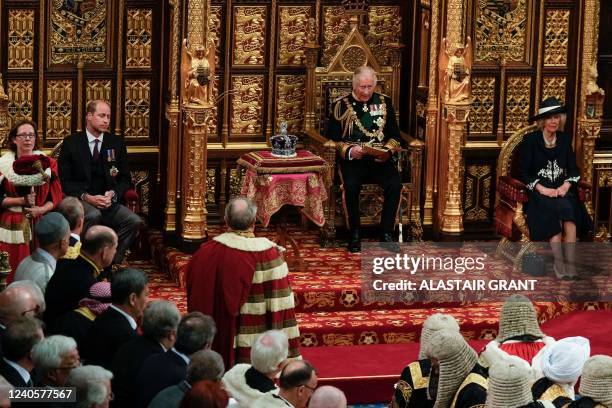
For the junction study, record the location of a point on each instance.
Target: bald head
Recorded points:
(240, 213)
(327, 396)
(18, 299)
(98, 237)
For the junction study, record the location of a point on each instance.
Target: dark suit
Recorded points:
(170, 397)
(76, 325)
(158, 372)
(12, 376)
(69, 284)
(80, 174)
(107, 334)
(126, 365)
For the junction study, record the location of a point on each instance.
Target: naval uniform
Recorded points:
(354, 122)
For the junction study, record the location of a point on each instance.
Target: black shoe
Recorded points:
(387, 242)
(354, 244)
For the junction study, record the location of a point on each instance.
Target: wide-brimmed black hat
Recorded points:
(548, 107)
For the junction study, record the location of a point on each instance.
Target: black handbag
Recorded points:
(533, 264)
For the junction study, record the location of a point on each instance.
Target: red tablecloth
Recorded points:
(273, 182)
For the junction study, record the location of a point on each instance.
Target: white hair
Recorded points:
(327, 397)
(47, 354)
(362, 71)
(89, 383)
(268, 350)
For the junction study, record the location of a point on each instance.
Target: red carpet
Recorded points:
(362, 348)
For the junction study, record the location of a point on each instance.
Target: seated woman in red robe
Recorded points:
(25, 195)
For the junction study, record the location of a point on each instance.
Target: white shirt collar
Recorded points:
(22, 371)
(183, 356)
(129, 318)
(75, 236)
(91, 138)
(50, 259)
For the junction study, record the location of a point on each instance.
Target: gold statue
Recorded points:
(197, 74)
(455, 67)
(592, 86)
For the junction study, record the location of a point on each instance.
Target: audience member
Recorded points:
(562, 364)
(54, 357)
(411, 389)
(508, 384)
(53, 234)
(22, 298)
(74, 277)
(72, 209)
(76, 323)
(117, 325)
(327, 397)
(93, 386)
(196, 332)
(205, 394)
(248, 382)
(242, 282)
(298, 380)
(205, 365)
(519, 335)
(20, 337)
(159, 325)
(5, 388)
(452, 359)
(595, 383)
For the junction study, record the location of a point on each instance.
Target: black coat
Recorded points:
(107, 334)
(73, 324)
(11, 375)
(126, 365)
(75, 163)
(69, 284)
(158, 372)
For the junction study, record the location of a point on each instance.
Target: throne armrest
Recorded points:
(512, 189)
(584, 191)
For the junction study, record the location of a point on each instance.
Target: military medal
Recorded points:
(110, 157)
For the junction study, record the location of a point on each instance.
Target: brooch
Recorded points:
(113, 171)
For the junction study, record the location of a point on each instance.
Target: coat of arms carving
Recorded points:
(500, 30)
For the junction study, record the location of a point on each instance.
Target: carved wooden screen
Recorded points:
(119, 46)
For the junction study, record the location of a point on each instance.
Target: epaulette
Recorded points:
(341, 96)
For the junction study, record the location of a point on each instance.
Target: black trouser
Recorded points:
(354, 173)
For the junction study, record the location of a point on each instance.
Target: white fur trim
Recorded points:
(236, 386)
(12, 236)
(6, 168)
(279, 272)
(493, 353)
(243, 243)
(271, 305)
(536, 361)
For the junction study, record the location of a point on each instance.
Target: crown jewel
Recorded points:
(283, 145)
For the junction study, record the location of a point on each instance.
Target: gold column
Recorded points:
(311, 53)
(456, 116)
(172, 115)
(80, 81)
(194, 158)
(431, 131)
(4, 118)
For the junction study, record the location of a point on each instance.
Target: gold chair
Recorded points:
(323, 86)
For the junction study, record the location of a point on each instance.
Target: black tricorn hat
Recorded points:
(548, 107)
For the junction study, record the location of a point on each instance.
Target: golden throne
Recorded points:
(323, 86)
(511, 196)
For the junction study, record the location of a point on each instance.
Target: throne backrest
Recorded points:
(336, 78)
(508, 161)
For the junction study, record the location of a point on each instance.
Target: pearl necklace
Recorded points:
(550, 144)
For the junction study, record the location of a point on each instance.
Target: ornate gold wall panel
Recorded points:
(478, 192)
(236, 177)
(518, 91)
(249, 35)
(290, 102)
(142, 183)
(195, 25)
(483, 105)
(214, 21)
(20, 39)
(212, 119)
(59, 109)
(556, 38)
(211, 185)
(97, 89)
(21, 97)
(78, 30)
(385, 28)
(500, 28)
(554, 86)
(247, 105)
(137, 107)
(335, 28)
(138, 38)
(292, 34)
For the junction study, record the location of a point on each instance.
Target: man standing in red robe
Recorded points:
(242, 282)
